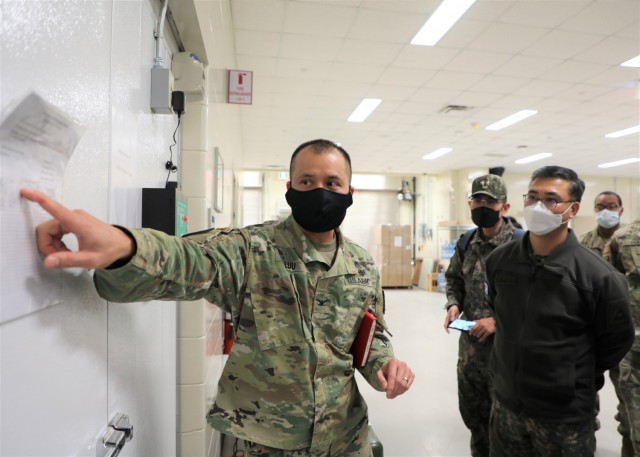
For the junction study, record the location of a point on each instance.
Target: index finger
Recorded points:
(51, 206)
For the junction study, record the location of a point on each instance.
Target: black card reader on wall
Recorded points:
(164, 210)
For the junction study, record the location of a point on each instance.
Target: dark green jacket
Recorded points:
(561, 322)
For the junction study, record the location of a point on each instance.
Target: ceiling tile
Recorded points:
(527, 66)
(262, 15)
(318, 19)
(309, 47)
(604, 17)
(368, 52)
(507, 38)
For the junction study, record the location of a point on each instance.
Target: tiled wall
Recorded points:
(200, 362)
(200, 357)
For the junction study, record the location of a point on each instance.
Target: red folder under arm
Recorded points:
(362, 344)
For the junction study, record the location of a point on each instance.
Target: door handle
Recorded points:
(121, 423)
(118, 432)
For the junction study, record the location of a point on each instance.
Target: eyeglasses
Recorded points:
(611, 207)
(484, 201)
(549, 202)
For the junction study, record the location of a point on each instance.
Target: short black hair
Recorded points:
(576, 185)
(319, 146)
(608, 192)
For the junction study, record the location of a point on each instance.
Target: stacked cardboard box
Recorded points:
(390, 246)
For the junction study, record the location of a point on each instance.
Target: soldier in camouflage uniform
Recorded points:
(297, 291)
(607, 208)
(466, 297)
(624, 253)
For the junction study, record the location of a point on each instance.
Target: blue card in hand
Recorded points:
(461, 324)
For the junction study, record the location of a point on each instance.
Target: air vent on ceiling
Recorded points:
(454, 109)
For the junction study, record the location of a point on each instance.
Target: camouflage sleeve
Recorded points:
(381, 348)
(614, 326)
(454, 288)
(610, 254)
(209, 266)
(582, 239)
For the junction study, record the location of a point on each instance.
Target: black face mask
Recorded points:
(318, 210)
(485, 217)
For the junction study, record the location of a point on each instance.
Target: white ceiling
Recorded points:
(314, 60)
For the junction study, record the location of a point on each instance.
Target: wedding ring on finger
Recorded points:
(406, 378)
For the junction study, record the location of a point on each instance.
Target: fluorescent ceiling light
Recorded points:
(364, 109)
(624, 132)
(509, 120)
(533, 158)
(437, 153)
(441, 21)
(617, 163)
(635, 62)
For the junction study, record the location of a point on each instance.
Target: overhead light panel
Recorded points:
(441, 21)
(533, 158)
(364, 109)
(510, 120)
(635, 62)
(437, 153)
(618, 163)
(625, 132)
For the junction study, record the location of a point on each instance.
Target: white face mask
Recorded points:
(540, 220)
(607, 218)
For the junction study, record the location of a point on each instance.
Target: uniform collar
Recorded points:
(295, 247)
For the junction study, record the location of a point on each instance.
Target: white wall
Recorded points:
(65, 370)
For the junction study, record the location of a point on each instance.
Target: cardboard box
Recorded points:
(380, 254)
(391, 249)
(387, 277)
(395, 255)
(380, 235)
(407, 254)
(406, 273)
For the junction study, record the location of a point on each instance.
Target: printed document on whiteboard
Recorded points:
(36, 141)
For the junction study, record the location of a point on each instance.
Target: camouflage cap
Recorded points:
(491, 185)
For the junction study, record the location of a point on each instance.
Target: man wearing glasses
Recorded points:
(466, 295)
(562, 319)
(608, 209)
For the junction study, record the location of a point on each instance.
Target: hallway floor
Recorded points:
(425, 421)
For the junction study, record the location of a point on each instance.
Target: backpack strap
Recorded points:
(465, 239)
(463, 242)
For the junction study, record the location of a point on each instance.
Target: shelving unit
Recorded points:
(449, 232)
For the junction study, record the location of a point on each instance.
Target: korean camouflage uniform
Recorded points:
(289, 380)
(624, 253)
(466, 288)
